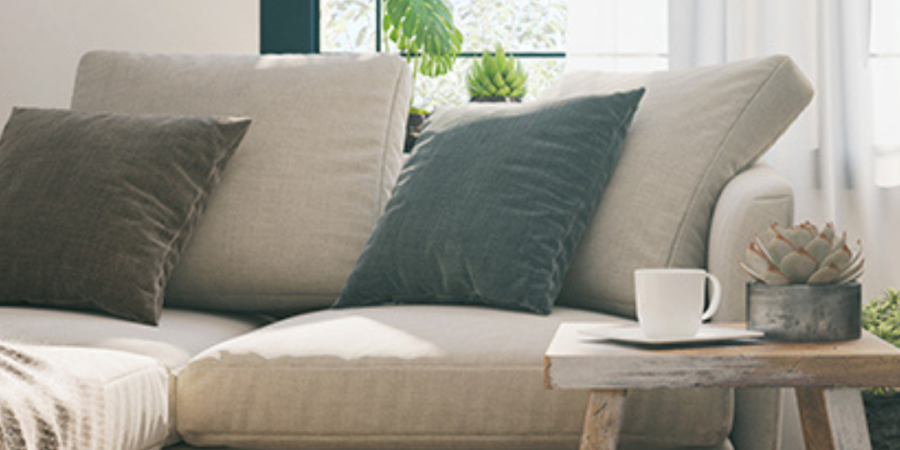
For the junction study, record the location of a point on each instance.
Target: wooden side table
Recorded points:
(827, 378)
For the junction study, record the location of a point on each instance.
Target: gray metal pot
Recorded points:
(805, 313)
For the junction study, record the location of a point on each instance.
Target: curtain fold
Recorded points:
(827, 153)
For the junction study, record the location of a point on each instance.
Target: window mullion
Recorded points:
(379, 26)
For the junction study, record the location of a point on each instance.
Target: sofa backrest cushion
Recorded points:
(301, 197)
(694, 131)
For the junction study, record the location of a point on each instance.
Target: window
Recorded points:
(533, 30)
(616, 35)
(884, 60)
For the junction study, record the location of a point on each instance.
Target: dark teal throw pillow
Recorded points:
(492, 203)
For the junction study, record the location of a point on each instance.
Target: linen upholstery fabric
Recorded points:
(179, 336)
(694, 131)
(95, 209)
(290, 218)
(416, 376)
(491, 204)
(750, 202)
(115, 400)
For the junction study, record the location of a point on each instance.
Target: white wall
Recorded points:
(41, 41)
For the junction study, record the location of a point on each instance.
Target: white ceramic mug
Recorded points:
(670, 301)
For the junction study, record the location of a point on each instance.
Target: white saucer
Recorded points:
(632, 334)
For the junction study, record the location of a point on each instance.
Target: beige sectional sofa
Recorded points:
(247, 353)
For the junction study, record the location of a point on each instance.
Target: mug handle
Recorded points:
(716, 297)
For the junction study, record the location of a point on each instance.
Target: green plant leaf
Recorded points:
(473, 83)
(500, 56)
(424, 29)
(485, 81)
(881, 317)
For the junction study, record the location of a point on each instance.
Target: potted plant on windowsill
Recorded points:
(424, 32)
(881, 317)
(804, 286)
(497, 77)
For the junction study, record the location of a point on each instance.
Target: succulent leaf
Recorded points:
(813, 231)
(762, 249)
(518, 83)
(840, 242)
(819, 247)
(779, 248)
(853, 272)
(829, 230)
(772, 232)
(774, 276)
(500, 56)
(799, 236)
(825, 275)
(840, 258)
(755, 259)
(799, 265)
(753, 274)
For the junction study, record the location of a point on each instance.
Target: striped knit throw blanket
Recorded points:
(43, 406)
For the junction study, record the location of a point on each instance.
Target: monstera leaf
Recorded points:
(424, 31)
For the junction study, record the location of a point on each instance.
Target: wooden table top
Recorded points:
(574, 361)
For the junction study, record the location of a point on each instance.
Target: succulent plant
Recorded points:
(496, 76)
(802, 254)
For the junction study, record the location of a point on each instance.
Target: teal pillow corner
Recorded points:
(490, 206)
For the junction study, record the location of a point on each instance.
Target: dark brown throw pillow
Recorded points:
(95, 209)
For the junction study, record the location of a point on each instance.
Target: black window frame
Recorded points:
(288, 26)
(293, 26)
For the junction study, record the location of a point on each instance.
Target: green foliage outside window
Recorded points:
(522, 27)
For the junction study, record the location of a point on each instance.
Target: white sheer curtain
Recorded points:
(827, 154)
(617, 35)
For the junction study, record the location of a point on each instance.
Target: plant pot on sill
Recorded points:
(805, 313)
(414, 125)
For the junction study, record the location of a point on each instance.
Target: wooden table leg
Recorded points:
(833, 419)
(602, 420)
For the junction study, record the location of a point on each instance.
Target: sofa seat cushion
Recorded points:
(82, 398)
(299, 200)
(180, 335)
(422, 376)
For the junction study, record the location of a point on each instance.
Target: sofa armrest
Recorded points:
(750, 202)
